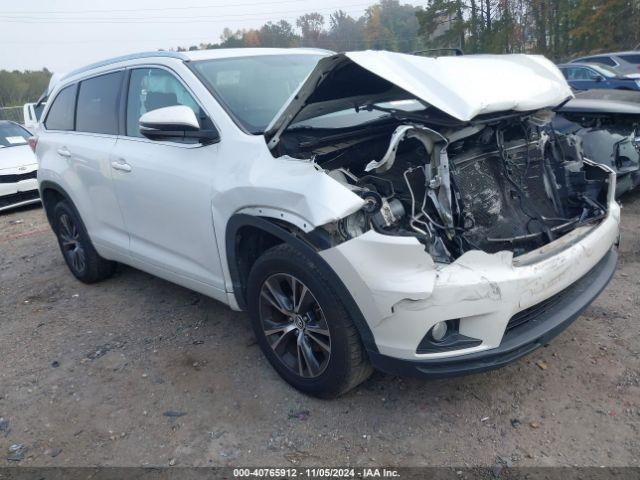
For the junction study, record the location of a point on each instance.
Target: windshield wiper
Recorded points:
(302, 127)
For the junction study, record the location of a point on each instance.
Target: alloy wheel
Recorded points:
(295, 325)
(71, 245)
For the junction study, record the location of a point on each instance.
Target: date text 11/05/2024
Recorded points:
(316, 472)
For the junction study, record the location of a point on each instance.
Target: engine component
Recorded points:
(509, 184)
(373, 202)
(390, 213)
(423, 134)
(352, 226)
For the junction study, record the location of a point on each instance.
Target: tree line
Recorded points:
(17, 88)
(558, 29)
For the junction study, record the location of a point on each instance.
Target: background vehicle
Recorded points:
(368, 209)
(624, 63)
(31, 113)
(608, 123)
(585, 76)
(18, 167)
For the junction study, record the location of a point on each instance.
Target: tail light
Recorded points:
(33, 143)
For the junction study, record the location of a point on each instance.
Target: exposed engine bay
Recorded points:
(507, 182)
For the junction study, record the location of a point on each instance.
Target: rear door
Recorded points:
(165, 188)
(81, 131)
(91, 153)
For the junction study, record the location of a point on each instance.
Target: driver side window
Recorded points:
(591, 75)
(153, 88)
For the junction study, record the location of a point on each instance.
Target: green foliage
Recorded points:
(386, 25)
(18, 88)
(559, 29)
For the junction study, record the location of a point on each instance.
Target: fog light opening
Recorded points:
(439, 331)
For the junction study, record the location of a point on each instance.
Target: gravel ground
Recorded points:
(137, 371)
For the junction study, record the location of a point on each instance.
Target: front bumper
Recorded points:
(402, 293)
(536, 332)
(17, 193)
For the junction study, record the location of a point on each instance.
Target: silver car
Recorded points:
(625, 63)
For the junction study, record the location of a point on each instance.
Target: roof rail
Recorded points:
(457, 52)
(124, 58)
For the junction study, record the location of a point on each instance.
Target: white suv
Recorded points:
(368, 209)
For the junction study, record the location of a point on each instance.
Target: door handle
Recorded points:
(122, 166)
(64, 152)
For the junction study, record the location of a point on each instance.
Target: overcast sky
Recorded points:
(65, 34)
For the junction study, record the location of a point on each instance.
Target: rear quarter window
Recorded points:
(98, 100)
(603, 60)
(61, 113)
(635, 58)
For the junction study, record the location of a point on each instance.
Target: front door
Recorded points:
(165, 189)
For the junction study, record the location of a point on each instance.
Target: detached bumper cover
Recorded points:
(551, 319)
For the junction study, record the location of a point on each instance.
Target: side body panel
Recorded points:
(80, 164)
(166, 206)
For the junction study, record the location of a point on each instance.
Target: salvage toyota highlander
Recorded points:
(368, 209)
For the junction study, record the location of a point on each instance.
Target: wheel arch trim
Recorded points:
(50, 185)
(310, 248)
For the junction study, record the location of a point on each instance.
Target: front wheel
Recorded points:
(302, 325)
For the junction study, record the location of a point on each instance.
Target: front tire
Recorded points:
(302, 325)
(81, 257)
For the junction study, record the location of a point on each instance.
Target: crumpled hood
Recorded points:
(12, 158)
(462, 86)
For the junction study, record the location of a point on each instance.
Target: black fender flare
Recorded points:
(49, 185)
(312, 243)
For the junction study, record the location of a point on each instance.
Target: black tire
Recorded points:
(76, 247)
(347, 364)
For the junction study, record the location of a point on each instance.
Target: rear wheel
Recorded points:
(81, 257)
(302, 326)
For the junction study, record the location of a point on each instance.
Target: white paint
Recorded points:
(17, 160)
(463, 87)
(472, 85)
(483, 290)
(168, 215)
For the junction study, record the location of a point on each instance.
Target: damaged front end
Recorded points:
(479, 172)
(477, 214)
(504, 184)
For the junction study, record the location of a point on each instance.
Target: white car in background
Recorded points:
(31, 112)
(18, 167)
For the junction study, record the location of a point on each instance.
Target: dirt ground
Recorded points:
(137, 371)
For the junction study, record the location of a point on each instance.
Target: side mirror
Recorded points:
(175, 123)
(598, 78)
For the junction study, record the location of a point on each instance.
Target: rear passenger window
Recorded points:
(631, 58)
(98, 104)
(60, 116)
(603, 60)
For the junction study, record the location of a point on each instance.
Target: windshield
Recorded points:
(352, 117)
(12, 135)
(253, 89)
